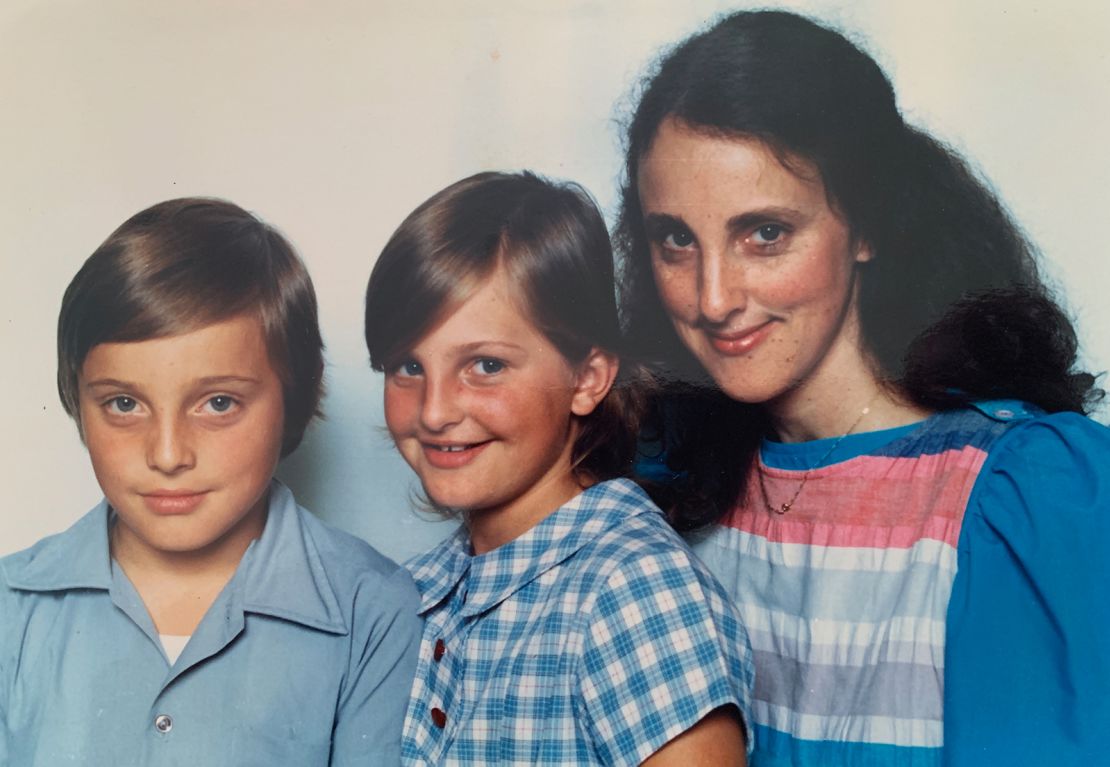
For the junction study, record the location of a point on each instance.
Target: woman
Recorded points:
(870, 412)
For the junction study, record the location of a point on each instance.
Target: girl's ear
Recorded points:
(594, 379)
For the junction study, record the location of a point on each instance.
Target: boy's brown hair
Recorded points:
(184, 264)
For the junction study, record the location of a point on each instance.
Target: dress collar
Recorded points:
(496, 575)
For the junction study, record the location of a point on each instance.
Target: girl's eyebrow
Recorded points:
(474, 346)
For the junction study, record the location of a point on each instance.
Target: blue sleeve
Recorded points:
(7, 616)
(371, 711)
(662, 651)
(1027, 659)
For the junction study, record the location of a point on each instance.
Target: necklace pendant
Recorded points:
(783, 509)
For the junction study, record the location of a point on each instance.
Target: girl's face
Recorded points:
(483, 408)
(755, 269)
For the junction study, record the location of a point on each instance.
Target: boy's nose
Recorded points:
(441, 407)
(169, 448)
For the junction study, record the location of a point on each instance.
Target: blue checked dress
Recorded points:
(594, 638)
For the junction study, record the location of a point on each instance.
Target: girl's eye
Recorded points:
(769, 234)
(121, 405)
(489, 366)
(221, 403)
(409, 368)
(678, 239)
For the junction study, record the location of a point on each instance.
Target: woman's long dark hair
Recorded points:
(952, 306)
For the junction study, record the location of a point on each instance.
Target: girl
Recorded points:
(565, 623)
(839, 305)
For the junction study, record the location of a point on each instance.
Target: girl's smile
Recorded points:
(483, 409)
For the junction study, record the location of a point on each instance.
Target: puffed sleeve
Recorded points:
(372, 707)
(1027, 660)
(665, 647)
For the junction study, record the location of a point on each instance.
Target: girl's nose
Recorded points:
(170, 449)
(441, 407)
(721, 287)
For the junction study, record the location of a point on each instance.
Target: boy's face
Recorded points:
(184, 433)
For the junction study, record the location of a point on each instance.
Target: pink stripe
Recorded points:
(865, 502)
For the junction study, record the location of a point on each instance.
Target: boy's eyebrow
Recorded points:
(206, 381)
(115, 383)
(210, 380)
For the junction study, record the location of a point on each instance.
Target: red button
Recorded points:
(439, 718)
(441, 648)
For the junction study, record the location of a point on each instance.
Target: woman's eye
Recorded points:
(409, 368)
(489, 366)
(121, 405)
(221, 403)
(679, 239)
(768, 234)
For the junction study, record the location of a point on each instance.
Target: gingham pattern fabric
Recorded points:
(594, 638)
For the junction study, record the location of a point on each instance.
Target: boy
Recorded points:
(197, 615)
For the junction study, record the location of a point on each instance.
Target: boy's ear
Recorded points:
(593, 381)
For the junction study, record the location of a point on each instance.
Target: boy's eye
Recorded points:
(221, 403)
(488, 366)
(409, 368)
(121, 405)
(768, 234)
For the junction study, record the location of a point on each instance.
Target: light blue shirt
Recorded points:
(305, 658)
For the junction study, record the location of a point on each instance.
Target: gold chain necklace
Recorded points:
(785, 507)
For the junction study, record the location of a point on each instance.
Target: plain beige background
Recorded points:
(333, 119)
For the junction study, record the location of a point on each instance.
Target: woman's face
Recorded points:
(755, 269)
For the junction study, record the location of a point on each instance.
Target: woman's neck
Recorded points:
(846, 398)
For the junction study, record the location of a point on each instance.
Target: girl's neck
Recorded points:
(492, 528)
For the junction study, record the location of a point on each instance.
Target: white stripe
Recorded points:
(927, 733)
(926, 551)
(842, 634)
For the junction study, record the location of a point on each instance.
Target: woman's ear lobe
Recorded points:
(593, 380)
(864, 252)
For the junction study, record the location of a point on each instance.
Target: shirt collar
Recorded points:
(498, 574)
(74, 559)
(281, 574)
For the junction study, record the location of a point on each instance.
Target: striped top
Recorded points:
(845, 596)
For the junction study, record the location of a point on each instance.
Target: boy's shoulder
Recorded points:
(74, 558)
(348, 564)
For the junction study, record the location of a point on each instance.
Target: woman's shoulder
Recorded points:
(1040, 461)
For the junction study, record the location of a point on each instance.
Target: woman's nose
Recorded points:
(721, 288)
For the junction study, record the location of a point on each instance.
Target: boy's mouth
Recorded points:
(171, 502)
